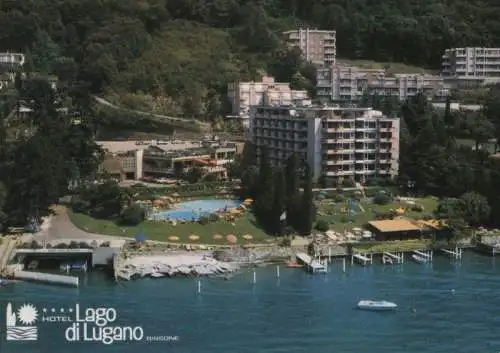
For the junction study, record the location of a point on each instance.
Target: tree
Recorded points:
(474, 208)
(279, 201)
(307, 211)
(264, 202)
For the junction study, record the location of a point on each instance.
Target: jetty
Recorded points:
(312, 265)
(361, 259)
(425, 254)
(456, 254)
(47, 278)
(399, 258)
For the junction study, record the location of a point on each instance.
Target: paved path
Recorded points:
(202, 125)
(61, 227)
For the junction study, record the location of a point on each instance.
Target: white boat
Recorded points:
(386, 260)
(156, 275)
(419, 259)
(376, 305)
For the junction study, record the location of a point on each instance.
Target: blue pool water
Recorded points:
(193, 210)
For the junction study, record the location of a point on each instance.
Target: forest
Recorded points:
(177, 56)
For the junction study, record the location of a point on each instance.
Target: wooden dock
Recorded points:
(361, 259)
(47, 278)
(313, 265)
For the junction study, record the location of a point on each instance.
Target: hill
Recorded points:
(177, 56)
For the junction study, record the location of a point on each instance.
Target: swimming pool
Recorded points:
(193, 210)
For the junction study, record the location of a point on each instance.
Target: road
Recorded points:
(159, 117)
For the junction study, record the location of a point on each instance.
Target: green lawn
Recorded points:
(331, 213)
(161, 231)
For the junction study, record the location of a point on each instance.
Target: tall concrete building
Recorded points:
(340, 83)
(244, 95)
(337, 143)
(318, 47)
(469, 67)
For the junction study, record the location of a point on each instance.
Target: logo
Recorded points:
(98, 325)
(24, 329)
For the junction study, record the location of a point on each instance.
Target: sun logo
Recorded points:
(27, 314)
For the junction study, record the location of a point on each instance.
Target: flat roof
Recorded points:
(394, 225)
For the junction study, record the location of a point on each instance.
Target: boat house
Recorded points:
(397, 229)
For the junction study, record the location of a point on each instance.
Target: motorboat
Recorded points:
(386, 260)
(376, 305)
(156, 275)
(419, 259)
(33, 265)
(73, 266)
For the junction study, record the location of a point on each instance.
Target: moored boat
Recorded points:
(386, 260)
(419, 259)
(156, 275)
(374, 305)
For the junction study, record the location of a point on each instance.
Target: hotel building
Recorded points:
(343, 83)
(337, 143)
(471, 67)
(244, 95)
(136, 160)
(317, 46)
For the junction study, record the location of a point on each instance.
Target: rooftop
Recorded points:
(394, 225)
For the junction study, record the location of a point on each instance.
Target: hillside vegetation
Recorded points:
(177, 56)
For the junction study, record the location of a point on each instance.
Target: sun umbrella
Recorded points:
(173, 238)
(175, 194)
(248, 201)
(194, 237)
(247, 237)
(231, 239)
(217, 236)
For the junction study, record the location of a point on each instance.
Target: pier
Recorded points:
(425, 254)
(456, 254)
(313, 265)
(47, 278)
(398, 257)
(362, 259)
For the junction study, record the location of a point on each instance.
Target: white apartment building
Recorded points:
(466, 67)
(317, 46)
(337, 143)
(339, 83)
(244, 95)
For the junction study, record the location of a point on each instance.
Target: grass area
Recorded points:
(331, 212)
(391, 68)
(393, 246)
(161, 231)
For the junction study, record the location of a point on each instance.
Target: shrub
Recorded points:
(322, 225)
(339, 198)
(61, 246)
(381, 199)
(417, 208)
(34, 245)
(213, 217)
(74, 245)
(84, 245)
(203, 220)
(348, 183)
(286, 241)
(133, 215)
(106, 244)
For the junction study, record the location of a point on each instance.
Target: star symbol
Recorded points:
(62, 310)
(53, 310)
(44, 310)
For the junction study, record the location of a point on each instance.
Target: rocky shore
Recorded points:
(190, 263)
(174, 264)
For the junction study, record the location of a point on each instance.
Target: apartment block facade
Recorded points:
(244, 95)
(469, 67)
(318, 47)
(344, 83)
(337, 143)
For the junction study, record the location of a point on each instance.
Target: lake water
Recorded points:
(297, 313)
